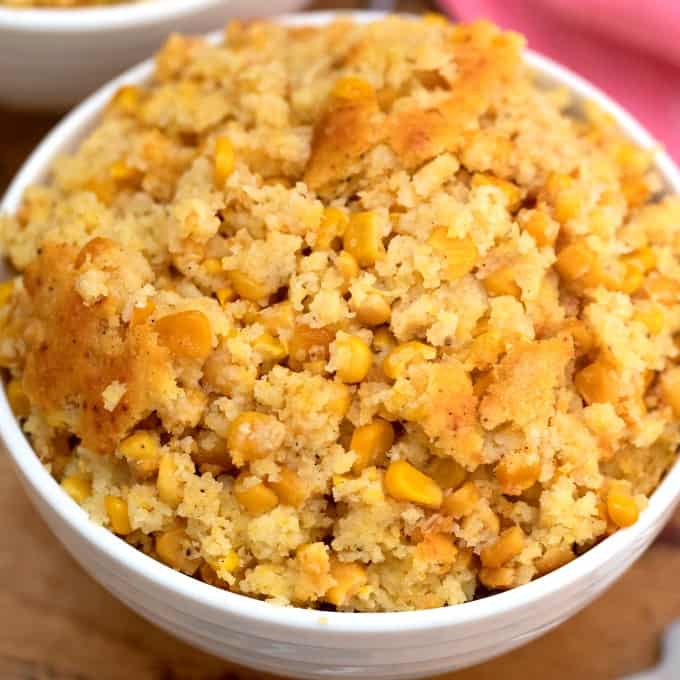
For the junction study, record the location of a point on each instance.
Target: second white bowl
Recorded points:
(51, 59)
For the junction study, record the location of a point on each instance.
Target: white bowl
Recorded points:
(51, 58)
(306, 643)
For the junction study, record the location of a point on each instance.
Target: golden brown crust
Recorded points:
(484, 73)
(450, 413)
(417, 135)
(345, 131)
(75, 351)
(526, 379)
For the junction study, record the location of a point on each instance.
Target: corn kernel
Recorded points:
(124, 174)
(462, 501)
(513, 195)
(632, 158)
(6, 291)
(212, 265)
(622, 509)
(554, 558)
(508, 545)
(224, 161)
(348, 268)
(186, 334)
(362, 238)
(396, 363)
(172, 548)
(565, 196)
(271, 349)
(339, 480)
(630, 281)
(142, 452)
(141, 314)
(225, 295)
(18, 401)
(78, 487)
(229, 562)
(104, 189)
(249, 435)
(460, 254)
(644, 259)
(127, 99)
(636, 190)
(340, 403)
(497, 579)
(447, 473)
(308, 344)
(351, 87)
(575, 261)
(437, 547)
(349, 578)
(289, 488)
(541, 227)
(515, 473)
(502, 282)
(670, 389)
(371, 441)
(374, 310)
(352, 358)
(247, 287)
(597, 383)
(170, 488)
(406, 483)
(486, 348)
(332, 227)
(652, 319)
(256, 499)
(383, 341)
(117, 510)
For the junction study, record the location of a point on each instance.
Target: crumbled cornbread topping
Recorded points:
(355, 316)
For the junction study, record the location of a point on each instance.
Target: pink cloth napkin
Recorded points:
(629, 48)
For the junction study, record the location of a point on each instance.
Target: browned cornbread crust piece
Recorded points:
(354, 316)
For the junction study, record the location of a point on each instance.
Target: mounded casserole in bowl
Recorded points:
(356, 316)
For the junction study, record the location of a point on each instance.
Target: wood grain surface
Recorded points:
(57, 624)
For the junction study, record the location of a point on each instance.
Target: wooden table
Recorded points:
(58, 624)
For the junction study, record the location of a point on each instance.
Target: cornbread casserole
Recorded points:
(356, 316)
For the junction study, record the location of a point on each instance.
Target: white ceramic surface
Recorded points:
(51, 59)
(310, 644)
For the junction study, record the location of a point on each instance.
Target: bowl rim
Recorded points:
(100, 18)
(188, 590)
